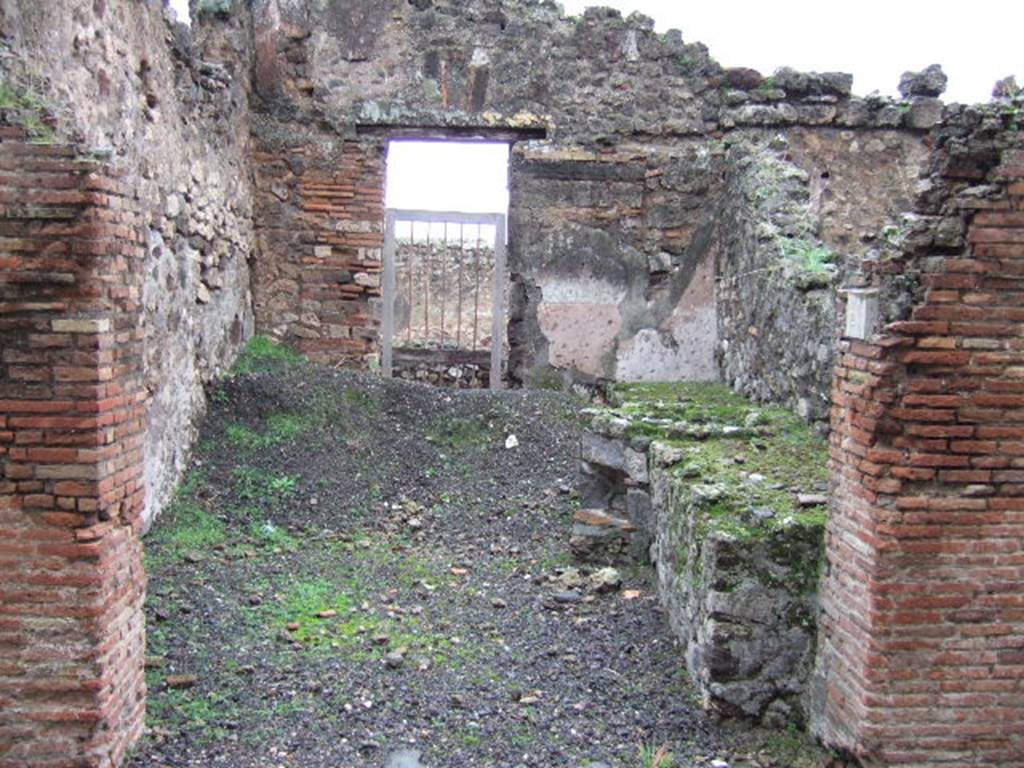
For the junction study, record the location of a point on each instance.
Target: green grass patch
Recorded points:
(325, 615)
(410, 569)
(187, 525)
(263, 353)
(202, 715)
(462, 433)
(257, 486)
(280, 428)
(272, 536)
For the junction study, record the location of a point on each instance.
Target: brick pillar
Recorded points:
(320, 224)
(921, 649)
(72, 410)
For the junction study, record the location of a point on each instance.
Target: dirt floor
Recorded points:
(357, 570)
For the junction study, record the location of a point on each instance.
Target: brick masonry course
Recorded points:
(71, 441)
(919, 645)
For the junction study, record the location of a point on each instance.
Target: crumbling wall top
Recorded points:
(593, 78)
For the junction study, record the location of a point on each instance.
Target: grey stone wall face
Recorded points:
(620, 178)
(800, 213)
(170, 107)
(631, 221)
(739, 595)
(747, 622)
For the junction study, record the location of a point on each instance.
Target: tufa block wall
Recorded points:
(72, 419)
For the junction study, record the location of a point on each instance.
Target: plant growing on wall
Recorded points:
(809, 255)
(29, 109)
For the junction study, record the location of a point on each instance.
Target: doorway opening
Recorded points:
(445, 276)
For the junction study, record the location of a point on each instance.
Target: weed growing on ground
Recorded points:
(203, 715)
(462, 433)
(326, 614)
(469, 738)
(523, 736)
(270, 535)
(280, 428)
(187, 525)
(362, 400)
(656, 757)
(790, 747)
(261, 487)
(555, 560)
(262, 353)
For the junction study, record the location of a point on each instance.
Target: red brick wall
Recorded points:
(922, 641)
(320, 221)
(72, 409)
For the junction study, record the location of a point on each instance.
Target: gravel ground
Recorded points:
(356, 567)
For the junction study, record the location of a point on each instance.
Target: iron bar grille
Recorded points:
(444, 284)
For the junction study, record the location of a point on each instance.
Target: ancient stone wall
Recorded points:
(799, 212)
(126, 83)
(612, 279)
(919, 656)
(319, 224)
(146, 166)
(616, 175)
(126, 230)
(724, 498)
(462, 370)
(72, 428)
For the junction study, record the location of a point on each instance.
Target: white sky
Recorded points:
(448, 176)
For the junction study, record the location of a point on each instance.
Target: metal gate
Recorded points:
(444, 287)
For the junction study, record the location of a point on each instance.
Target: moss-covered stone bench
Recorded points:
(727, 499)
